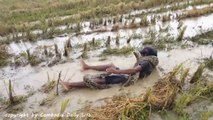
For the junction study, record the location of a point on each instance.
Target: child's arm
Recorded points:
(134, 70)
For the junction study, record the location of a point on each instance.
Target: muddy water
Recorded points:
(37, 76)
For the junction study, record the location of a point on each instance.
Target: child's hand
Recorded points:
(112, 70)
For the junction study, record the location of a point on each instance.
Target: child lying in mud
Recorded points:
(144, 66)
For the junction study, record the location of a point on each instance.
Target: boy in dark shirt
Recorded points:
(115, 75)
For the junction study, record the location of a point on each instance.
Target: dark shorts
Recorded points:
(109, 79)
(116, 79)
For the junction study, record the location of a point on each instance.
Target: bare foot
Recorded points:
(84, 65)
(65, 85)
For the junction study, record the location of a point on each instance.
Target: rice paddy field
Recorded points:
(42, 41)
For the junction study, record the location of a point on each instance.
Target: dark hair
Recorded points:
(147, 51)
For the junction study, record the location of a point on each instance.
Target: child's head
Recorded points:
(148, 51)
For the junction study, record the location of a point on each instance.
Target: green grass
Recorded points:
(198, 90)
(205, 115)
(16, 15)
(34, 60)
(209, 63)
(203, 38)
(49, 86)
(198, 74)
(49, 100)
(160, 40)
(117, 51)
(181, 33)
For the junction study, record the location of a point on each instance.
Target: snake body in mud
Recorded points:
(134, 78)
(88, 79)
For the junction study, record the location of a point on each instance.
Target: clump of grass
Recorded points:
(181, 33)
(132, 24)
(202, 41)
(144, 21)
(56, 49)
(49, 86)
(203, 38)
(68, 43)
(64, 105)
(45, 50)
(117, 51)
(157, 44)
(49, 100)
(165, 18)
(105, 23)
(160, 45)
(102, 58)
(183, 76)
(100, 21)
(11, 98)
(153, 19)
(125, 23)
(13, 103)
(84, 53)
(108, 41)
(200, 88)
(17, 106)
(59, 78)
(159, 39)
(121, 19)
(94, 43)
(209, 63)
(85, 47)
(30, 36)
(165, 90)
(114, 20)
(148, 42)
(78, 28)
(32, 59)
(198, 74)
(15, 109)
(117, 41)
(128, 40)
(205, 115)
(4, 55)
(196, 91)
(136, 36)
(66, 51)
(115, 28)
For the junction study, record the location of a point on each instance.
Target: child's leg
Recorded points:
(70, 85)
(96, 67)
